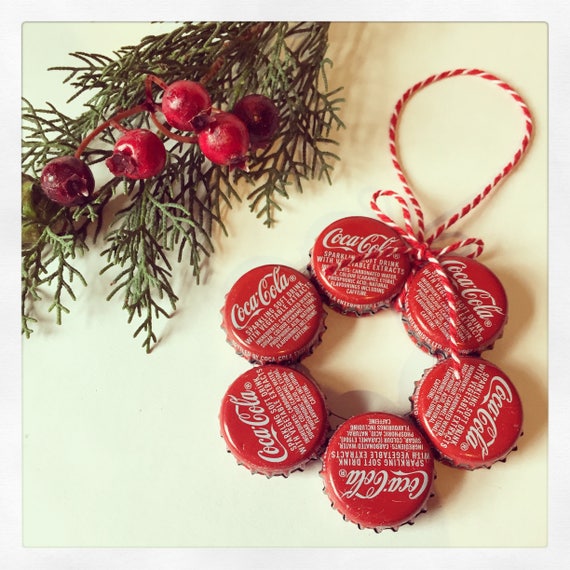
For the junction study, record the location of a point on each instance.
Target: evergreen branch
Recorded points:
(32, 270)
(145, 281)
(53, 268)
(174, 215)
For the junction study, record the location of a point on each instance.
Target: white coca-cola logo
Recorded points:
(368, 244)
(250, 412)
(367, 484)
(483, 431)
(481, 300)
(270, 286)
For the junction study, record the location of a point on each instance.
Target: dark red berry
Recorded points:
(186, 105)
(67, 180)
(260, 116)
(225, 140)
(138, 154)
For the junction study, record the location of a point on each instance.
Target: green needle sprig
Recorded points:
(172, 216)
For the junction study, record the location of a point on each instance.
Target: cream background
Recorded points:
(122, 449)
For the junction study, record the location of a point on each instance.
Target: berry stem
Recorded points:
(113, 121)
(165, 131)
(150, 79)
(116, 125)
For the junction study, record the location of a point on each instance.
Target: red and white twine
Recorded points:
(420, 246)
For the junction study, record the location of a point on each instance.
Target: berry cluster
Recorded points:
(224, 137)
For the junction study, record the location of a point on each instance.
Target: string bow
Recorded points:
(420, 247)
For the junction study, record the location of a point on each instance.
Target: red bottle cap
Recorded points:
(272, 314)
(378, 470)
(274, 420)
(473, 422)
(481, 306)
(365, 285)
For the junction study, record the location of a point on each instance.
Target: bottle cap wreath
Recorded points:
(378, 468)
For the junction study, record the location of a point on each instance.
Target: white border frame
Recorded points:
(554, 13)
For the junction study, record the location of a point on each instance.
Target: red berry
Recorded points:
(225, 140)
(186, 105)
(260, 116)
(138, 154)
(67, 180)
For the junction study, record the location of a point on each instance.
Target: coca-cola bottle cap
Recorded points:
(273, 313)
(274, 420)
(472, 422)
(481, 304)
(378, 470)
(358, 264)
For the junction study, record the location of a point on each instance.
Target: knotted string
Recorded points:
(417, 244)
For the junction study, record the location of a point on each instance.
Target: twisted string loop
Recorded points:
(418, 245)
